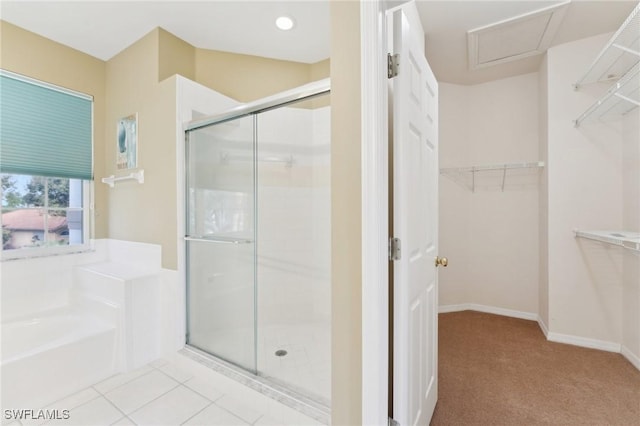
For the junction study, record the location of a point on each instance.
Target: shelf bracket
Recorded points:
(628, 99)
(504, 176)
(473, 180)
(626, 49)
(111, 180)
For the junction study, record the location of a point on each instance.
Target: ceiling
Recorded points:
(104, 28)
(446, 24)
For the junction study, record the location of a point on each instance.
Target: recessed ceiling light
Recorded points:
(285, 23)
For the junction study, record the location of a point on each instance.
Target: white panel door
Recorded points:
(415, 222)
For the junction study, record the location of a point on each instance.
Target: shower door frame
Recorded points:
(302, 93)
(311, 90)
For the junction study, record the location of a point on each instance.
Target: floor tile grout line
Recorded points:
(157, 367)
(115, 406)
(173, 378)
(261, 415)
(201, 394)
(149, 402)
(52, 404)
(258, 419)
(235, 415)
(122, 418)
(74, 408)
(198, 412)
(122, 384)
(63, 398)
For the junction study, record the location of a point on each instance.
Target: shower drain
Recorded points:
(281, 352)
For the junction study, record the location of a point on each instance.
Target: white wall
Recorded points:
(294, 248)
(294, 223)
(631, 222)
(585, 192)
(454, 199)
(490, 236)
(543, 205)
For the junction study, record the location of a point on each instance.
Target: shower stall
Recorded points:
(258, 239)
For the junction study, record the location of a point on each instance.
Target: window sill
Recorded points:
(26, 254)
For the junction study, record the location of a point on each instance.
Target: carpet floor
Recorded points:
(496, 370)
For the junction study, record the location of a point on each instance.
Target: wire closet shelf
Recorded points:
(625, 239)
(618, 61)
(470, 177)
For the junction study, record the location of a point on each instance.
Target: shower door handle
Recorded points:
(219, 240)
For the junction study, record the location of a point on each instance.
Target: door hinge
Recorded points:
(392, 65)
(394, 249)
(393, 422)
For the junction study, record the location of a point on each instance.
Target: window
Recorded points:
(43, 212)
(46, 167)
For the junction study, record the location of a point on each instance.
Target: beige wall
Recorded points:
(246, 78)
(148, 212)
(454, 199)
(319, 70)
(175, 56)
(584, 192)
(490, 236)
(543, 200)
(138, 81)
(29, 54)
(631, 222)
(346, 219)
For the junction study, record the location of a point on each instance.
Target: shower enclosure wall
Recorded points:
(258, 239)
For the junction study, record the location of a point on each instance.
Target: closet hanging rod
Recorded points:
(111, 180)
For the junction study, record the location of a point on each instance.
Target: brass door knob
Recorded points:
(441, 261)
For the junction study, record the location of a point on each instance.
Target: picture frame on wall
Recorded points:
(127, 142)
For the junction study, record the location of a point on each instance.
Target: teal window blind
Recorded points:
(44, 130)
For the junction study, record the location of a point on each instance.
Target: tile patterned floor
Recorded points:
(166, 393)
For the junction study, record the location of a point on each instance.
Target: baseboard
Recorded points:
(444, 309)
(543, 326)
(489, 310)
(583, 342)
(551, 336)
(630, 356)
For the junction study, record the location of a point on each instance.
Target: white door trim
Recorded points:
(375, 210)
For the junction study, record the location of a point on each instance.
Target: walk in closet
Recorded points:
(540, 193)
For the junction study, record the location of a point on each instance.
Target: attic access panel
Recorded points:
(514, 38)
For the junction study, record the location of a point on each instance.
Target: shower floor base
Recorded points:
(270, 388)
(307, 362)
(297, 356)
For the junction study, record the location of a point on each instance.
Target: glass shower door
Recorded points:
(220, 241)
(294, 247)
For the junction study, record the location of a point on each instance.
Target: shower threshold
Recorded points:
(317, 410)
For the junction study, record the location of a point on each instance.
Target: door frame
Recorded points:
(375, 212)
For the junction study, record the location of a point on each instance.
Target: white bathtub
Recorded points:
(48, 356)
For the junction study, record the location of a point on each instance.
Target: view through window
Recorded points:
(41, 212)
